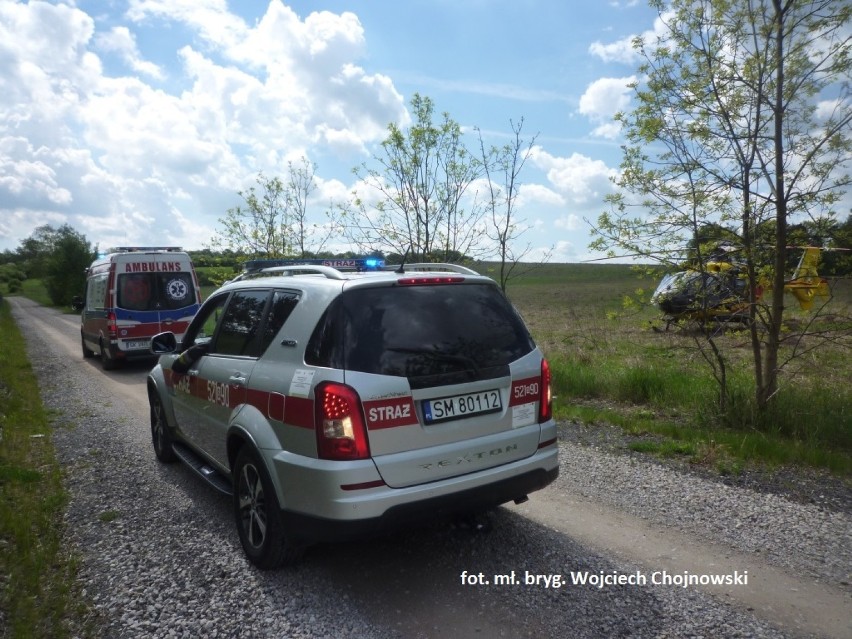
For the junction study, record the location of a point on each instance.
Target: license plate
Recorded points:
(458, 406)
(138, 344)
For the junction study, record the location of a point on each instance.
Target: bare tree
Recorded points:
(502, 167)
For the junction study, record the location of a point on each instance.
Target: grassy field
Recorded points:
(36, 572)
(615, 363)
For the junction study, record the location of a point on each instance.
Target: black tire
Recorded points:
(258, 516)
(161, 432)
(88, 353)
(107, 362)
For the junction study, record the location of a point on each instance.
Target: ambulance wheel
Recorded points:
(161, 433)
(106, 361)
(87, 352)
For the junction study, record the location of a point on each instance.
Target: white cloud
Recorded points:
(604, 98)
(530, 195)
(130, 161)
(623, 50)
(618, 51)
(570, 222)
(579, 179)
(119, 40)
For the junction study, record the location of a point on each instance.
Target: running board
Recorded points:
(202, 469)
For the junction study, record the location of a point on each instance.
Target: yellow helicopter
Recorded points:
(719, 292)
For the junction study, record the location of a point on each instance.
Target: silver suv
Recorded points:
(332, 404)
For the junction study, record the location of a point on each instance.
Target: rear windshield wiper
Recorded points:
(468, 362)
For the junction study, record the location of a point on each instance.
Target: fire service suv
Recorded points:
(333, 404)
(133, 293)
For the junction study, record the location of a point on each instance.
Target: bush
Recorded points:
(11, 277)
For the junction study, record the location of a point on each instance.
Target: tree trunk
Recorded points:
(767, 390)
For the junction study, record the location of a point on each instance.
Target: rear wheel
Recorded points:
(259, 519)
(161, 432)
(108, 362)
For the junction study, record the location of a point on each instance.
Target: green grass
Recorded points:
(37, 574)
(610, 365)
(36, 291)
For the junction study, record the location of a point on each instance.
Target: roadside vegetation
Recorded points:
(614, 362)
(37, 573)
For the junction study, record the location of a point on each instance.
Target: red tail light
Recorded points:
(545, 403)
(341, 432)
(112, 326)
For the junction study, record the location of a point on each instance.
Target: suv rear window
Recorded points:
(433, 335)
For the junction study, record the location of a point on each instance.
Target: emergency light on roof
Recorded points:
(139, 249)
(360, 264)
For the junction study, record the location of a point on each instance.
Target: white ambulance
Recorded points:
(133, 293)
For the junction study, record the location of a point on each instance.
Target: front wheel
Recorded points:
(161, 434)
(259, 519)
(87, 352)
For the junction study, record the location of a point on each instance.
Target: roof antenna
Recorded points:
(401, 268)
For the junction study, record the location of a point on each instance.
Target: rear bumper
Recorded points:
(315, 529)
(381, 509)
(117, 352)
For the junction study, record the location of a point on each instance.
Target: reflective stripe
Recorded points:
(293, 411)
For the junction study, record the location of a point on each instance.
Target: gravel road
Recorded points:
(160, 557)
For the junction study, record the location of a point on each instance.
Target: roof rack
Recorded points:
(139, 249)
(329, 271)
(334, 269)
(432, 266)
(347, 264)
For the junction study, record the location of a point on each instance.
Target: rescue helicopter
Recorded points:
(719, 292)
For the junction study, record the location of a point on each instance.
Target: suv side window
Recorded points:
(283, 303)
(238, 330)
(203, 325)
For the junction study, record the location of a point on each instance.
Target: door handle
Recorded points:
(238, 379)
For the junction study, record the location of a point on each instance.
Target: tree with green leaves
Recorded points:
(60, 257)
(66, 266)
(743, 119)
(274, 221)
(419, 201)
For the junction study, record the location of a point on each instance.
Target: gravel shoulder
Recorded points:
(800, 485)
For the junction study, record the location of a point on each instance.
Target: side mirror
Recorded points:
(163, 343)
(77, 303)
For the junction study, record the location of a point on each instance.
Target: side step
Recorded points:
(202, 469)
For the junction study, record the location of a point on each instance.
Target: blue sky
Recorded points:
(137, 121)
